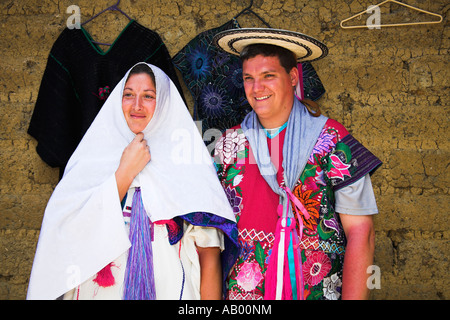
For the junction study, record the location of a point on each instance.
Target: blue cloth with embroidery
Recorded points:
(214, 78)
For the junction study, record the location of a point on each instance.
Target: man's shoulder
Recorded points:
(335, 126)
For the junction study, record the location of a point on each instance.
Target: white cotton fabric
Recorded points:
(176, 267)
(357, 198)
(83, 229)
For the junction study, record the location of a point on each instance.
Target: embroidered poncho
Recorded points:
(337, 160)
(77, 80)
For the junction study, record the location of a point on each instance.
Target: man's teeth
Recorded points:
(262, 98)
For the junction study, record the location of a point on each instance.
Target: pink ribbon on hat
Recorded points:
(299, 92)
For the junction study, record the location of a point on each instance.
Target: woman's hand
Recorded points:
(134, 158)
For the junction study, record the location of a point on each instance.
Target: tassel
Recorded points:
(270, 281)
(105, 277)
(139, 277)
(292, 266)
(295, 265)
(277, 281)
(288, 283)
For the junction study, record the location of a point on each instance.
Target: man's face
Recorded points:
(269, 89)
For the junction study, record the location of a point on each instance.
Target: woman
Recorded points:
(136, 214)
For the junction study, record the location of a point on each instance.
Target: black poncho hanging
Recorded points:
(77, 80)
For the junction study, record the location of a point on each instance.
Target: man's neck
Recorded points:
(277, 120)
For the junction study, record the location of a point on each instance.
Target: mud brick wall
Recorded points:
(388, 86)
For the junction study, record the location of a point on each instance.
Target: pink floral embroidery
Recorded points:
(316, 268)
(338, 168)
(103, 93)
(249, 276)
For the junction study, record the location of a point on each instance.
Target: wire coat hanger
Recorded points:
(249, 10)
(111, 8)
(392, 24)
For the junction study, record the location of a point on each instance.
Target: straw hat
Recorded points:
(305, 47)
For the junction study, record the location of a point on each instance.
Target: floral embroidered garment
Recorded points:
(337, 160)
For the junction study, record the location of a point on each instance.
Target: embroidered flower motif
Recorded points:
(310, 204)
(235, 82)
(230, 146)
(214, 100)
(199, 62)
(319, 177)
(332, 224)
(221, 59)
(316, 267)
(237, 179)
(234, 199)
(338, 169)
(323, 145)
(331, 286)
(249, 276)
(311, 183)
(103, 93)
(246, 249)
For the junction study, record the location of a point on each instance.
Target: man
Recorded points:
(298, 182)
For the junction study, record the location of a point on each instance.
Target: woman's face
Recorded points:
(139, 101)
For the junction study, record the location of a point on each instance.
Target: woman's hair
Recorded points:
(142, 68)
(287, 58)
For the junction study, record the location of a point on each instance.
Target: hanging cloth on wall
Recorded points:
(77, 80)
(214, 78)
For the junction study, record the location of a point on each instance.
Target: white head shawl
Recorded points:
(83, 228)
